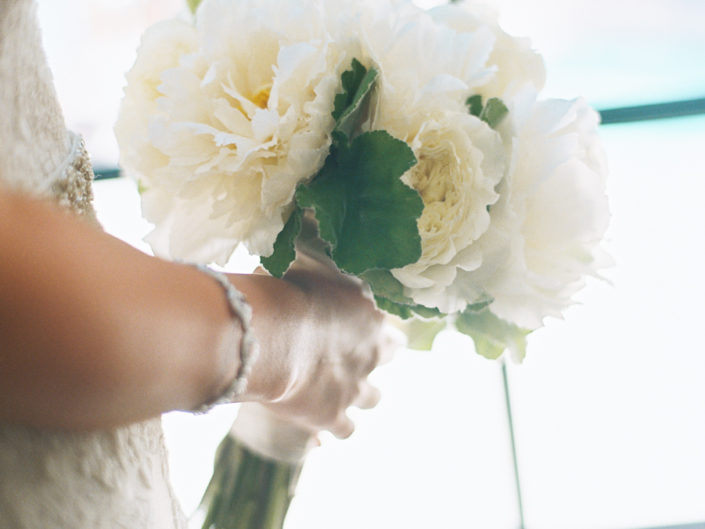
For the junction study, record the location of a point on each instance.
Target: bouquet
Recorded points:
(412, 143)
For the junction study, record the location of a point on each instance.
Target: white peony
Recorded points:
(552, 213)
(223, 119)
(512, 60)
(427, 71)
(514, 215)
(420, 60)
(460, 162)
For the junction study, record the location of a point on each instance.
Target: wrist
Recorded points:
(247, 348)
(279, 321)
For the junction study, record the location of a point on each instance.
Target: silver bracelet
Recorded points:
(249, 348)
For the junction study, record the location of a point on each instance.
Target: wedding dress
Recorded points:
(49, 479)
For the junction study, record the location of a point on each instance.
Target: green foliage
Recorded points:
(494, 112)
(384, 284)
(492, 335)
(247, 490)
(404, 311)
(193, 5)
(397, 309)
(474, 104)
(420, 334)
(351, 104)
(491, 113)
(284, 252)
(481, 303)
(389, 295)
(364, 211)
(350, 81)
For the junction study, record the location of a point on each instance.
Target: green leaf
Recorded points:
(492, 335)
(364, 211)
(389, 293)
(351, 80)
(406, 311)
(426, 312)
(284, 252)
(494, 112)
(474, 104)
(397, 309)
(193, 5)
(351, 104)
(420, 334)
(481, 303)
(384, 284)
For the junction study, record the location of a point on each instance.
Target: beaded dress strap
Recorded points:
(72, 181)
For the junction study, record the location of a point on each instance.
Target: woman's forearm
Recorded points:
(94, 333)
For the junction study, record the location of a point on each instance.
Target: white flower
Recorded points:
(427, 72)
(460, 161)
(221, 121)
(512, 60)
(514, 215)
(552, 213)
(420, 60)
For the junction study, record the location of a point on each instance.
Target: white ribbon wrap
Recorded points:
(271, 436)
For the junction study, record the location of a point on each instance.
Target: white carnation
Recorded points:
(223, 119)
(546, 228)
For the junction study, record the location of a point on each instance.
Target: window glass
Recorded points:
(90, 44)
(610, 403)
(613, 53)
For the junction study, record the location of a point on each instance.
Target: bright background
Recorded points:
(609, 407)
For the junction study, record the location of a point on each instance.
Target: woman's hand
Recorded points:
(317, 347)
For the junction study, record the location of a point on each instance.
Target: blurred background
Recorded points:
(608, 409)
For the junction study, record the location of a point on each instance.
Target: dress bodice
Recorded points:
(49, 479)
(100, 480)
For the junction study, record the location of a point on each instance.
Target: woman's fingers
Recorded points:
(347, 341)
(368, 397)
(390, 341)
(343, 427)
(387, 342)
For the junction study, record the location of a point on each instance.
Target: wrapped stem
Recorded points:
(255, 473)
(247, 490)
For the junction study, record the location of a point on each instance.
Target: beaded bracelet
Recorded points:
(249, 348)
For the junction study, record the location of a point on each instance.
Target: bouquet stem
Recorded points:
(252, 486)
(247, 490)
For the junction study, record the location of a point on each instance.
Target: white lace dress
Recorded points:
(56, 480)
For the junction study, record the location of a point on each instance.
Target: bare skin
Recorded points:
(95, 334)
